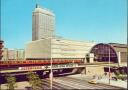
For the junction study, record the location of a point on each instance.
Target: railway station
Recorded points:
(46, 47)
(48, 53)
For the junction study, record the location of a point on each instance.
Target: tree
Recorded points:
(123, 72)
(34, 80)
(117, 73)
(121, 76)
(11, 82)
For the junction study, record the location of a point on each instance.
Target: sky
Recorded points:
(101, 21)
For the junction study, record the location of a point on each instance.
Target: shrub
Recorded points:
(34, 80)
(11, 82)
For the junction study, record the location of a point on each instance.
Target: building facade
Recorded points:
(43, 23)
(13, 54)
(57, 48)
(45, 46)
(121, 50)
(113, 51)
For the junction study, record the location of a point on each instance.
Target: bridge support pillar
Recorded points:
(119, 58)
(91, 57)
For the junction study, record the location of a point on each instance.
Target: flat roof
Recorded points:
(119, 45)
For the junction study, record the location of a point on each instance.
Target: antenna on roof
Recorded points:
(37, 5)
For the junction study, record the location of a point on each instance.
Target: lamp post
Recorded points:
(51, 73)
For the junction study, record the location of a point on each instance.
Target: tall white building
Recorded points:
(43, 23)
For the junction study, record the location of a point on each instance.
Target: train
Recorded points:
(21, 63)
(20, 68)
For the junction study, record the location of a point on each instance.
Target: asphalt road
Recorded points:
(56, 85)
(72, 83)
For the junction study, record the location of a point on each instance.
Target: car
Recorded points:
(92, 82)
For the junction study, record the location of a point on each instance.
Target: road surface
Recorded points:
(73, 83)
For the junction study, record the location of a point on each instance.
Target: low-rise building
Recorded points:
(13, 54)
(121, 50)
(57, 48)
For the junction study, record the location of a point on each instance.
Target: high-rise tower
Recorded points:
(43, 23)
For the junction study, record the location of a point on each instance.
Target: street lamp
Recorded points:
(51, 73)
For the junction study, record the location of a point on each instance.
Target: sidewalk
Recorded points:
(81, 77)
(104, 80)
(118, 83)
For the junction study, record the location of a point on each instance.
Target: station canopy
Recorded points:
(104, 52)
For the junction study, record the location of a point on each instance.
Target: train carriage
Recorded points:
(21, 63)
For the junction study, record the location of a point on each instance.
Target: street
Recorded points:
(65, 82)
(73, 83)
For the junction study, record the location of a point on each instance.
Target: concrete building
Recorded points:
(115, 52)
(57, 48)
(13, 54)
(43, 23)
(121, 50)
(5, 54)
(45, 46)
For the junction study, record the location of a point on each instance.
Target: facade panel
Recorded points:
(13, 54)
(60, 48)
(38, 49)
(122, 49)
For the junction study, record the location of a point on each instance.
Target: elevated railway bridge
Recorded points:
(41, 67)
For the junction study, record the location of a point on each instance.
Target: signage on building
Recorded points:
(48, 67)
